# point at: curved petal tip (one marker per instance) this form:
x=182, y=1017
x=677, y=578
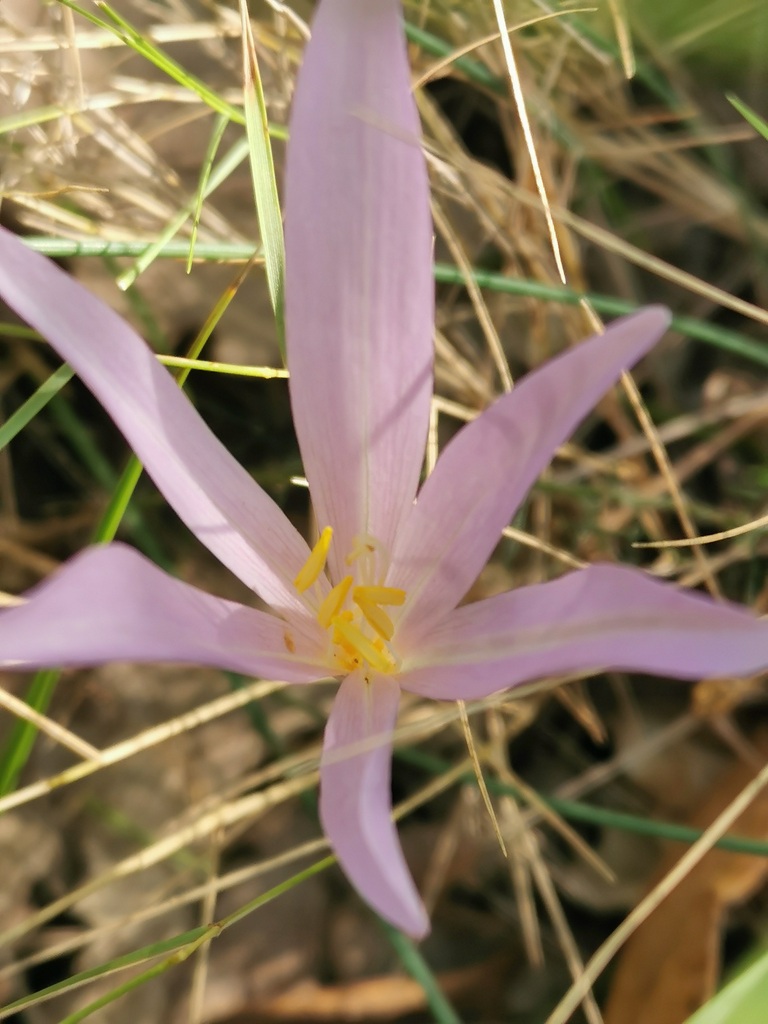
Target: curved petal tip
x=355, y=801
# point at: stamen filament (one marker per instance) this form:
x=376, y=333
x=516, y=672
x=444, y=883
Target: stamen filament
x=315, y=564
x=362, y=547
x=333, y=603
x=362, y=645
x=359, y=629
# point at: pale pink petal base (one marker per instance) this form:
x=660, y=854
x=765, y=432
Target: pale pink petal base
x=486, y=471
x=111, y=604
x=604, y=616
x=355, y=800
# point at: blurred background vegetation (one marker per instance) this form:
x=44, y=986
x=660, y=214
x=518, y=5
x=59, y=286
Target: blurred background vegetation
x=122, y=151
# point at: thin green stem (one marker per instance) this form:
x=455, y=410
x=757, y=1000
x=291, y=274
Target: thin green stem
x=418, y=968
x=574, y=810
x=19, y=745
x=29, y=409
x=699, y=330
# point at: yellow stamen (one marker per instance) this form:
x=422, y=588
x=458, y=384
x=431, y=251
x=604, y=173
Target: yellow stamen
x=346, y=654
x=379, y=595
x=369, y=598
x=337, y=637
x=394, y=663
x=346, y=662
x=375, y=616
x=332, y=604
x=315, y=564
x=359, y=631
x=361, y=645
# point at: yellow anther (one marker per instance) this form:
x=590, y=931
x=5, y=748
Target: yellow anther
x=333, y=603
x=358, y=627
x=315, y=564
x=379, y=595
x=361, y=645
x=375, y=616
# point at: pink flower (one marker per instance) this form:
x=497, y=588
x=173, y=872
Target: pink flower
x=375, y=603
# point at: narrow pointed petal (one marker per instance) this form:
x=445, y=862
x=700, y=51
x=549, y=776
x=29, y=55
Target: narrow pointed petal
x=206, y=486
x=112, y=604
x=359, y=287
x=485, y=472
x=356, y=804
x=604, y=616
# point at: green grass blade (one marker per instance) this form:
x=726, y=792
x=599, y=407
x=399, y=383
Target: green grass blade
x=749, y=114
x=274, y=892
x=138, y=956
x=479, y=74
x=42, y=396
x=19, y=744
x=124, y=31
x=19, y=331
x=699, y=330
x=64, y=248
x=219, y=127
x=128, y=986
x=574, y=810
x=27, y=118
x=118, y=503
x=474, y=70
x=233, y=369
x=179, y=946
x=150, y=251
x=744, y=1000
x=84, y=444
x=418, y=968
x=263, y=174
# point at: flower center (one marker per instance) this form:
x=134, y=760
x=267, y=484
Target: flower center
x=354, y=612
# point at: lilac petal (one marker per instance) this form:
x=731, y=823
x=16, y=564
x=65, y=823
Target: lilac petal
x=355, y=800
x=359, y=288
x=207, y=487
x=111, y=604
x=485, y=472
x=604, y=616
